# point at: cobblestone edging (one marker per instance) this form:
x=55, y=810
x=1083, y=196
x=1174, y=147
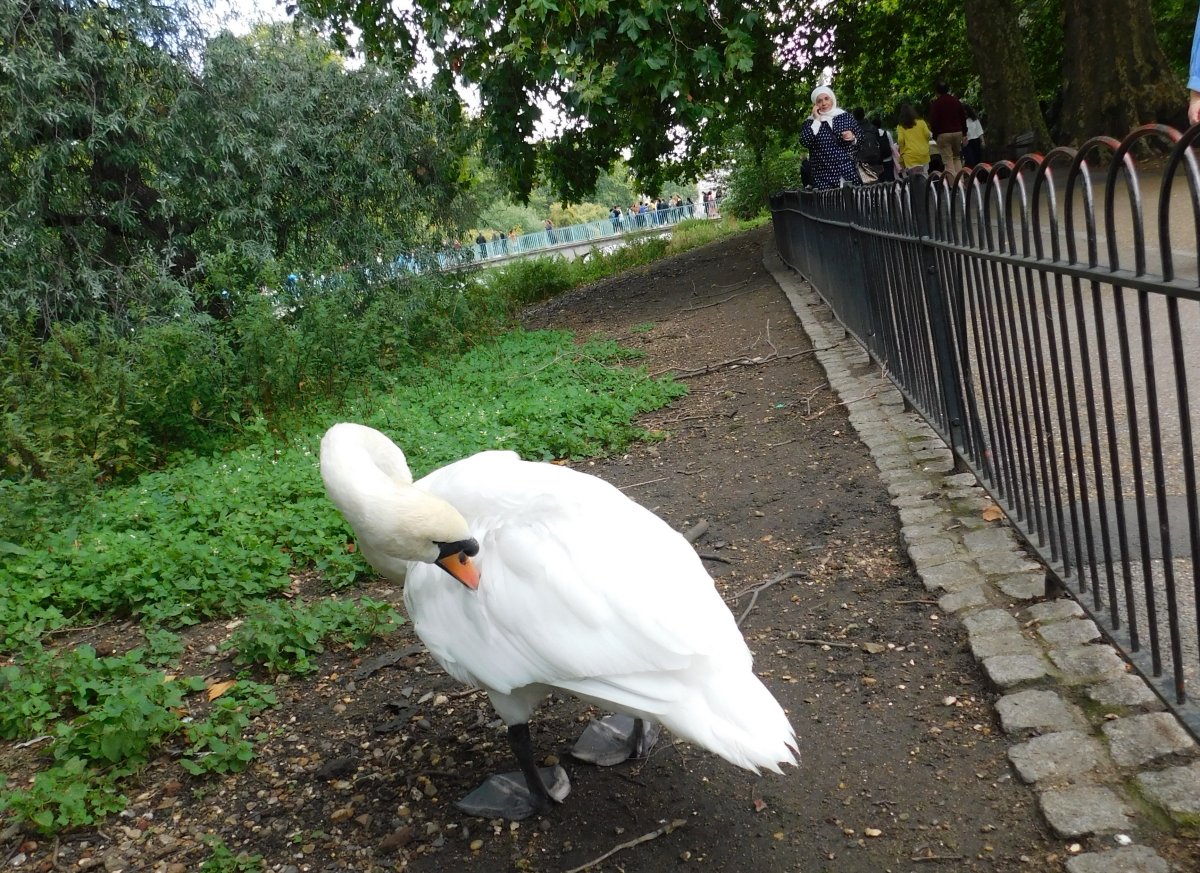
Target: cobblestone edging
x=1086, y=733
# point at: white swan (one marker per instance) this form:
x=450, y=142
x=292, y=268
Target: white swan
x=563, y=583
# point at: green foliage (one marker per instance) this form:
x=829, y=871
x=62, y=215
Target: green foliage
x=87, y=403
x=534, y=279
x=135, y=154
x=218, y=744
x=222, y=860
x=755, y=177
x=284, y=637
x=82, y=127
x=66, y=794
x=92, y=694
x=107, y=716
x=888, y=53
x=659, y=79
x=315, y=186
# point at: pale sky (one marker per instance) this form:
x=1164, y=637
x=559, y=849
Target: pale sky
x=239, y=16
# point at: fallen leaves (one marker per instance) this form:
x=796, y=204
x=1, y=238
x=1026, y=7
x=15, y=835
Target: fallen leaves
x=218, y=688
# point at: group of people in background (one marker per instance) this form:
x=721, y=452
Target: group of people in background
x=646, y=212
x=848, y=148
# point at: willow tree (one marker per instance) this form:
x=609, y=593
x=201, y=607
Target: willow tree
x=135, y=154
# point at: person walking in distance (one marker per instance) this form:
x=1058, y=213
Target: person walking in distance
x=972, y=152
x=912, y=137
x=948, y=121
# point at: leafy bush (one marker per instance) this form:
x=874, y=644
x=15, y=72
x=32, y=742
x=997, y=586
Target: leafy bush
x=218, y=744
x=535, y=279
x=222, y=860
x=283, y=637
x=755, y=178
x=66, y=402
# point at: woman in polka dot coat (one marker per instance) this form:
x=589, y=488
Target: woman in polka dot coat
x=831, y=137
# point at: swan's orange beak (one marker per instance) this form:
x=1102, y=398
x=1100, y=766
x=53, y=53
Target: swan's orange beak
x=460, y=566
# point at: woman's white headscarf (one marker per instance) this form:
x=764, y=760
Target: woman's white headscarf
x=829, y=116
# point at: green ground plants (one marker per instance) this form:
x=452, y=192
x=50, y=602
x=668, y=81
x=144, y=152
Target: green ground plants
x=223, y=534
x=210, y=512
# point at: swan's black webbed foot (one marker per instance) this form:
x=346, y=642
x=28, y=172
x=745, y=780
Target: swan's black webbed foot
x=615, y=738
x=515, y=796
x=507, y=796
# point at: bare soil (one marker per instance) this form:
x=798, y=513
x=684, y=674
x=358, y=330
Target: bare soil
x=359, y=765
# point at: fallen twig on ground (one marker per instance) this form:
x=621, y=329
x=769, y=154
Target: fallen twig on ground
x=936, y=858
x=716, y=302
x=699, y=530
x=647, y=482
x=836, y=644
x=672, y=825
x=812, y=416
x=754, y=592
x=742, y=361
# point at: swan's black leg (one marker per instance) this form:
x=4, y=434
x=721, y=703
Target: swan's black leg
x=515, y=796
x=639, y=747
x=521, y=742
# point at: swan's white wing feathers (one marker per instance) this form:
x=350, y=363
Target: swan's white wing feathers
x=580, y=589
x=576, y=581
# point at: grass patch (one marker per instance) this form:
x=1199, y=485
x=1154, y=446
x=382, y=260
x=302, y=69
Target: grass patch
x=168, y=477
x=222, y=535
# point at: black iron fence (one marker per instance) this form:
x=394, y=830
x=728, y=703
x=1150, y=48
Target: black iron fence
x=1044, y=317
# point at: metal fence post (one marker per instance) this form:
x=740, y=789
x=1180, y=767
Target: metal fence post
x=939, y=321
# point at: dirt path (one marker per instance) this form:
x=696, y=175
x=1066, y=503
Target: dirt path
x=358, y=771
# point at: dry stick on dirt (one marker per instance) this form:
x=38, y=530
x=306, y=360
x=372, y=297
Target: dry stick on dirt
x=698, y=531
x=715, y=303
x=87, y=627
x=644, y=838
x=640, y=484
x=774, y=351
x=837, y=644
x=754, y=592
x=742, y=361
x=820, y=412
x=936, y=858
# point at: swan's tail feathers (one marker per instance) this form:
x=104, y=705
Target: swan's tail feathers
x=721, y=707
x=740, y=720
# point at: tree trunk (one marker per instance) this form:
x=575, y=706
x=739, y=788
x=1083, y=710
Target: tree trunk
x=1005, y=83
x=1115, y=73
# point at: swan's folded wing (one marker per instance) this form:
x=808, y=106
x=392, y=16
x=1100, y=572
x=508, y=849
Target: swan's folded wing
x=578, y=588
